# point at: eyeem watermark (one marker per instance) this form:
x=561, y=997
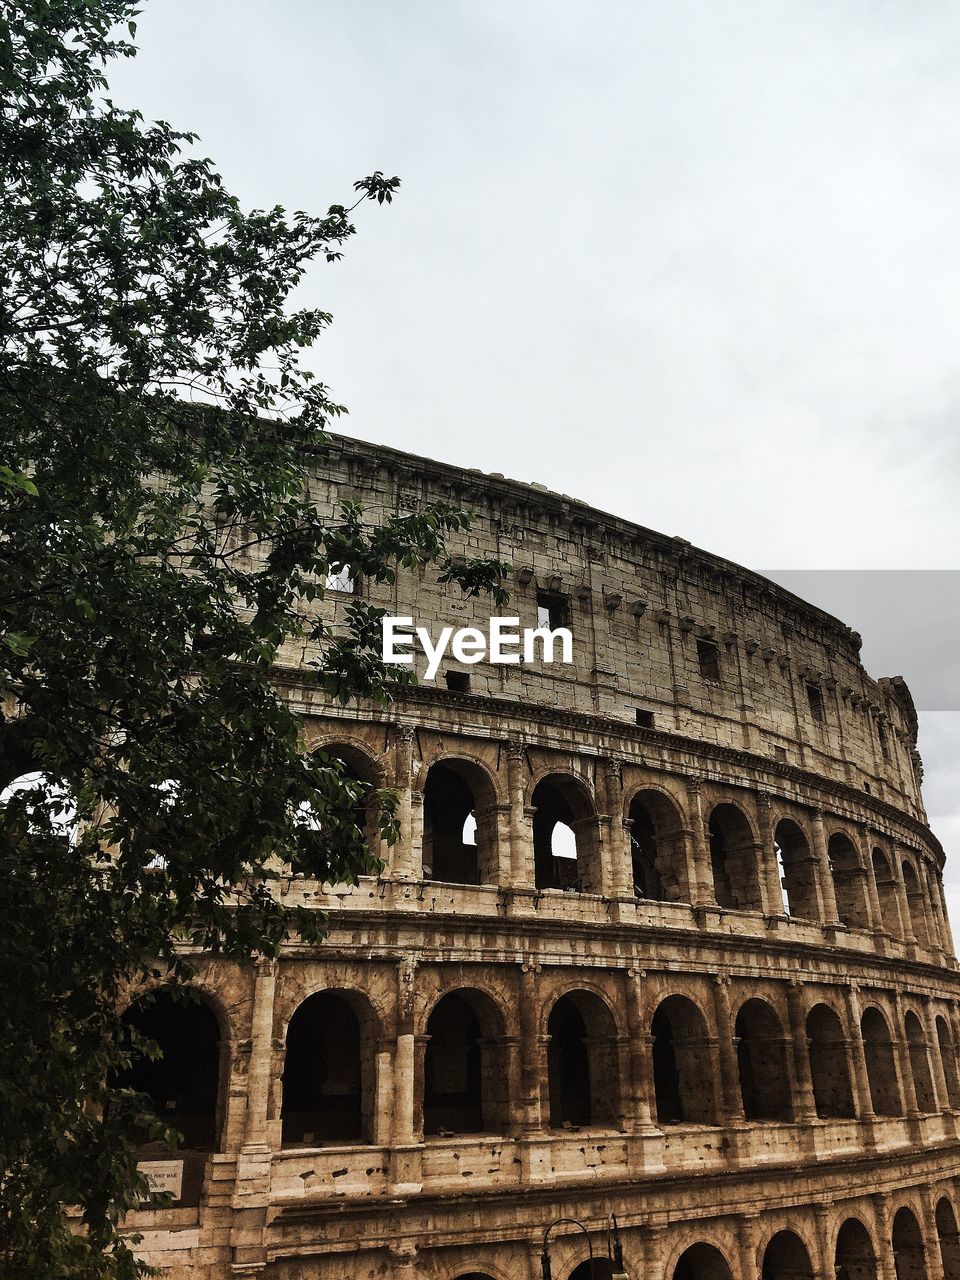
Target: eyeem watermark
x=503, y=642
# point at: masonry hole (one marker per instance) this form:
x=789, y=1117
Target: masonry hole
x=582, y=1063
x=565, y=848
x=854, y=1258
x=849, y=882
x=328, y=1073
x=881, y=1069
x=733, y=859
x=799, y=874
x=919, y=1063
x=786, y=1258
x=682, y=1067
x=909, y=1257
x=465, y=1084
x=829, y=1067
x=183, y=1084
x=762, y=1063
x=948, y=1239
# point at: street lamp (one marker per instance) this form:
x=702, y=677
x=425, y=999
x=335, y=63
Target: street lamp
x=614, y=1246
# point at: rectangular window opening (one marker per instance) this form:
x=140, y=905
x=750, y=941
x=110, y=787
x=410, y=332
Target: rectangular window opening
x=708, y=656
x=815, y=699
x=342, y=580
x=458, y=681
x=553, y=610
x=644, y=718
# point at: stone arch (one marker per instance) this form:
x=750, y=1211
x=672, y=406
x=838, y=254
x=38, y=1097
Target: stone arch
x=849, y=881
x=562, y=804
x=762, y=1063
x=948, y=1239
x=185, y=1085
x=854, y=1257
x=465, y=1077
x=829, y=1064
x=887, y=893
x=948, y=1056
x=328, y=1083
x=733, y=858
x=359, y=766
x=919, y=1063
x=881, y=1067
x=799, y=876
x=455, y=849
x=583, y=1070
x=702, y=1261
x=682, y=1064
x=915, y=901
x=657, y=846
x=599, y=1269
x=909, y=1255
x=786, y=1258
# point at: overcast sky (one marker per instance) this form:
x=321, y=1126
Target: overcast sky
x=696, y=262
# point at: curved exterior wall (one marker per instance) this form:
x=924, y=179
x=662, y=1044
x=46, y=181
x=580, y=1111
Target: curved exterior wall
x=762, y=1098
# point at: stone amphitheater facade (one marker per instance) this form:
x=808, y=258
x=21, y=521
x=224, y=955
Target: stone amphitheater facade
x=663, y=939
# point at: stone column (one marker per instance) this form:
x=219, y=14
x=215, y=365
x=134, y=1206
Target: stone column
x=404, y=858
x=405, y=1163
x=529, y=1014
x=926, y=901
x=828, y=894
x=929, y=1234
x=883, y=1238
x=873, y=893
x=935, y=918
x=702, y=891
x=771, y=887
x=642, y=1094
x=948, y=942
x=617, y=871
x=259, y=1072
x=805, y=1106
x=860, y=1075
x=521, y=820
x=748, y=1240
x=824, y=1259
x=731, y=1102
x=908, y=1091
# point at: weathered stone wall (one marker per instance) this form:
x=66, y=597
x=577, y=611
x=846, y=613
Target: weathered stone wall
x=761, y=1041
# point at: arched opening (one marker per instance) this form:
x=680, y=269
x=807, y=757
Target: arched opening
x=762, y=1063
x=909, y=1257
x=360, y=769
x=459, y=824
x=829, y=1066
x=881, y=1069
x=948, y=1239
x=854, y=1258
x=328, y=1072
x=919, y=1063
x=565, y=859
x=38, y=804
x=598, y=1269
x=948, y=1056
x=682, y=1068
x=657, y=848
x=582, y=1063
x=887, y=894
x=849, y=882
x=918, y=917
x=701, y=1262
x=799, y=871
x=786, y=1258
x=733, y=859
x=183, y=1083
x=465, y=1079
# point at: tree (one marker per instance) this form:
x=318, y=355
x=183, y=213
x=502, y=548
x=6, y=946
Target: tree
x=157, y=422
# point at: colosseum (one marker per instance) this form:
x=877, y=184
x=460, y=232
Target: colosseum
x=657, y=983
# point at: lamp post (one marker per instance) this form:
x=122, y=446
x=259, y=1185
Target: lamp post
x=614, y=1247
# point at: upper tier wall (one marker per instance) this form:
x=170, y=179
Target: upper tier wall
x=639, y=603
